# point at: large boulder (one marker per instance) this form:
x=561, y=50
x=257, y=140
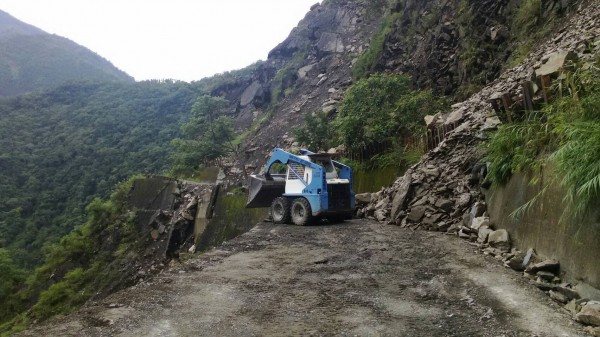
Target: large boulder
x=330, y=43
x=253, y=90
x=402, y=193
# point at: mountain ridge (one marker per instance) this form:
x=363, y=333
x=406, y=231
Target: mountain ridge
x=32, y=60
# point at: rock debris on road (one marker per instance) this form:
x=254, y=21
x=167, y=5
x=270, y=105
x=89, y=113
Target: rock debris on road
x=358, y=278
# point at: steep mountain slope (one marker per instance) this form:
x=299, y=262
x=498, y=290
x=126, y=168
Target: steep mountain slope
x=451, y=47
x=91, y=137
x=31, y=59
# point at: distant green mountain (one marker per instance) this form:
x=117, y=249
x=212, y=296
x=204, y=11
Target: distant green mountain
x=31, y=59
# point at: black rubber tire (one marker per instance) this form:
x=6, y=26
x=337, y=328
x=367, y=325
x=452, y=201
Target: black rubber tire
x=280, y=210
x=301, y=212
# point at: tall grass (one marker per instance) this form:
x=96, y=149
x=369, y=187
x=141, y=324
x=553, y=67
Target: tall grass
x=564, y=134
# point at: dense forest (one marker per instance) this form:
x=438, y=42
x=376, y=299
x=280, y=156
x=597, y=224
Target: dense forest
x=63, y=147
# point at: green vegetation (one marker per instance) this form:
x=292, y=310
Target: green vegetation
x=64, y=147
x=531, y=24
x=381, y=112
x=317, y=132
x=383, y=108
x=208, y=136
x=368, y=61
x=84, y=263
x=564, y=134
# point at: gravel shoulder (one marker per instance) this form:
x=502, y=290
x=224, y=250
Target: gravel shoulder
x=359, y=278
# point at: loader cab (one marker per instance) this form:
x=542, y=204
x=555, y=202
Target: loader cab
x=297, y=172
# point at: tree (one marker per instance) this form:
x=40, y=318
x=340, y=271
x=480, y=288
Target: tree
x=10, y=279
x=316, y=133
x=367, y=112
x=383, y=107
x=208, y=135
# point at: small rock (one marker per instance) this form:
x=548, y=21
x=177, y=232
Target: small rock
x=477, y=210
x=544, y=286
x=568, y=292
x=558, y=297
x=431, y=172
x=383, y=203
x=187, y=216
x=380, y=215
x=416, y=213
x=573, y=307
x=192, y=204
x=442, y=226
x=483, y=234
x=548, y=265
x=590, y=313
x=529, y=256
x=499, y=239
x=463, y=235
x=594, y=331
x=445, y=205
x=516, y=263
x=479, y=222
x=463, y=200
x=545, y=275
x=404, y=189
x=363, y=198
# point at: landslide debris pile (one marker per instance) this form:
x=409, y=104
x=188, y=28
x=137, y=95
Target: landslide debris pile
x=444, y=191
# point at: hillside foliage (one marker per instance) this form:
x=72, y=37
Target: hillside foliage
x=564, y=134
x=81, y=265
x=64, y=147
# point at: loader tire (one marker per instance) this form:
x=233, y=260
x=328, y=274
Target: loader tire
x=301, y=212
x=280, y=210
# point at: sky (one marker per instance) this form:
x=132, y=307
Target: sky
x=168, y=39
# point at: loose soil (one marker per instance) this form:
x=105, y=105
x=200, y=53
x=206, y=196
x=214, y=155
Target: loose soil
x=358, y=278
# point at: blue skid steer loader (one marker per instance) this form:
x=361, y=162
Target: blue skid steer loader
x=314, y=187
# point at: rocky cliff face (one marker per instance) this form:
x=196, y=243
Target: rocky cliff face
x=446, y=44
x=452, y=46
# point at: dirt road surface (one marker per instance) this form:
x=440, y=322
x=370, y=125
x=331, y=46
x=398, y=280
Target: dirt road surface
x=358, y=278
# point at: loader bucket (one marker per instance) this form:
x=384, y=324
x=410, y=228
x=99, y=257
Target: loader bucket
x=262, y=189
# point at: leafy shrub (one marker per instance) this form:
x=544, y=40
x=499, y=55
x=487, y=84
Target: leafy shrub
x=383, y=108
x=316, y=133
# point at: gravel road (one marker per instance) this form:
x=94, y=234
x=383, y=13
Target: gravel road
x=358, y=278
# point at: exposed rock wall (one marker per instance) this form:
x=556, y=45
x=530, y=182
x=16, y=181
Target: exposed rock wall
x=448, y=44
